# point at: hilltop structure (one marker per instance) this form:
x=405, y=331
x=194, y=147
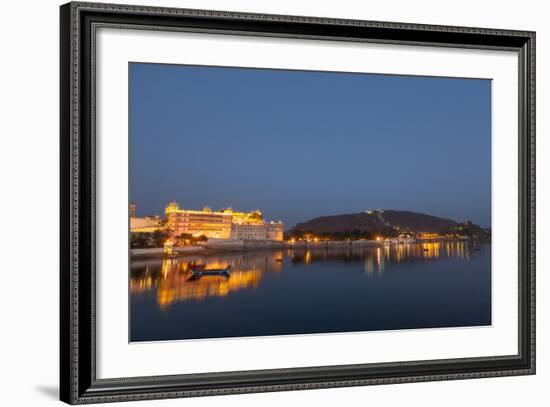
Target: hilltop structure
x=386, y=223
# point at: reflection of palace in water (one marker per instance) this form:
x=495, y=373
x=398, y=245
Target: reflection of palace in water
x=173, y=280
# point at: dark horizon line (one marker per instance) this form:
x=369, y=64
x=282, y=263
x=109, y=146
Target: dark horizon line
x=353, y=213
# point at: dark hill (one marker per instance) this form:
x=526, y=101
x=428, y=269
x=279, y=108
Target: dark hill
x=374, y=221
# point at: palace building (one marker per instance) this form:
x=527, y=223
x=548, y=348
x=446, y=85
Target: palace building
x=222, y=224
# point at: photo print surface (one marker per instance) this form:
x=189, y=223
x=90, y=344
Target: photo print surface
x=279, y=202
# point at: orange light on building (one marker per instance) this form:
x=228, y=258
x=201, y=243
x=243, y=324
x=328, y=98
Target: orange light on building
x=222, y=224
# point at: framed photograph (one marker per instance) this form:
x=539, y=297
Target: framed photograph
x=255, y=203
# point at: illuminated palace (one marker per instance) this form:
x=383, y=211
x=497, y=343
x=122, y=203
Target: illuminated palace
x=222, y=224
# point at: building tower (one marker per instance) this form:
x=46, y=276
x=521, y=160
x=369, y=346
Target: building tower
x=132, y=210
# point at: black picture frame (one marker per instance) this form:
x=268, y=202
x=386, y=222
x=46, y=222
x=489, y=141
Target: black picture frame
x=78, y=382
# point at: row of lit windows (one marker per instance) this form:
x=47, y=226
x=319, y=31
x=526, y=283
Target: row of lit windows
x=199, y=222
x=200, y=225
x=250, y=227
x=199, y=229
x=204, y=221
x=201, y=216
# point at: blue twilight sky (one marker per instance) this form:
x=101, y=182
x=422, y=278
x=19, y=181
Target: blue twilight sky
x=303, y=144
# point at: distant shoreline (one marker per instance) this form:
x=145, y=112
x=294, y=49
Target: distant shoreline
x=253, y=245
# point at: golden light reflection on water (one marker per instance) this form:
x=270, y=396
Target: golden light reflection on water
x=172, y=281
x=175, y=282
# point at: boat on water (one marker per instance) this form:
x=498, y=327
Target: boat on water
x=203, y=271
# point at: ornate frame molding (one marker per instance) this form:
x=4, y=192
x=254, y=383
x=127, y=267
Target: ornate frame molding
x=79, y=384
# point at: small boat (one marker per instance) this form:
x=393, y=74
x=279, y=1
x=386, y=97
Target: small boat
x=202, y=271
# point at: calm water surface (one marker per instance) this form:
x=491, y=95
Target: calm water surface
x=277, y=292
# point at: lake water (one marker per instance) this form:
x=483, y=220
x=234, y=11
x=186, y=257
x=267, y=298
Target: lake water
x=278, y=292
